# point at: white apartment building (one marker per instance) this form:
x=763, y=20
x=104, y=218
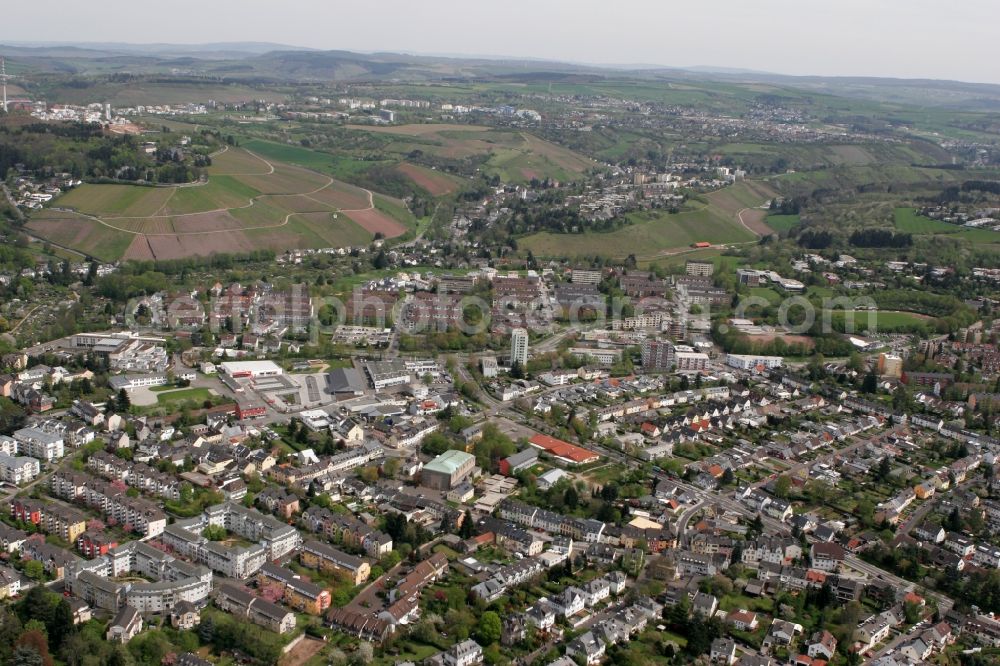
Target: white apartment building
x=751, y=362
x=519, y=346
x=18, y=469
x=602, y=356
x=584, y=276
x=41, y=444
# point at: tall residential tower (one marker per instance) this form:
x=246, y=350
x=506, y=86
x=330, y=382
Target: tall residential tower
x=519, y=347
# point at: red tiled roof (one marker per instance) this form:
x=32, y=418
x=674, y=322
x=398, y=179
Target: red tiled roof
x=562, y=449
x=814, y=576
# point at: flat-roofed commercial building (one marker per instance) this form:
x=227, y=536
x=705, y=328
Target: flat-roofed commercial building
x=251, y=369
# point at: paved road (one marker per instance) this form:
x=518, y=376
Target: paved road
x=683, y=536
x=944, y=603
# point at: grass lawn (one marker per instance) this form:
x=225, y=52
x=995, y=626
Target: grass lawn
x=822, y=292
x=768, y=294
x=731, y=602
x=448, y=552
x=605, y=474
x=408, y=651
x=183, y=395
x=980, y=235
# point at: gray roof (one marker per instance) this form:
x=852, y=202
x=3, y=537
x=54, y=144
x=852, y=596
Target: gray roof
x=346, y=380
x=125, y=617
x=530, y=454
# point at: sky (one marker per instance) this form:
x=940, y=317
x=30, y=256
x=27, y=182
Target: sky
x=898, y=38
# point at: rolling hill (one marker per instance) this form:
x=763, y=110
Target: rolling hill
x=248, y=203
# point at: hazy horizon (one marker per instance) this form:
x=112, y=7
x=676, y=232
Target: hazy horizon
x=912, y=40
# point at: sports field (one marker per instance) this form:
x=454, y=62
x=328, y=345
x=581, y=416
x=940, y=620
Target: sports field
x=248, y=202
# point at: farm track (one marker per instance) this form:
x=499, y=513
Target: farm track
x=24, y=319
x=761, y=226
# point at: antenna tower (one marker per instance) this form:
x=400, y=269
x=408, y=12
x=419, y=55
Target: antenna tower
x=3, y=79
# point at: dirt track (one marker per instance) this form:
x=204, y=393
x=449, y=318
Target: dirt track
x=753, y=220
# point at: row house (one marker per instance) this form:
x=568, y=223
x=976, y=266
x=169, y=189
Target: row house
x=508, y=577
x=876, y=629
x=363, y=625
x=54, y=559
x=299, y=594
x=827, y=556
x=316, y=555
x=11, y=538
x=986, y=556
x=584, y=529
x=775, y=550
x=348, y=530
x=796, y=578
x=241, y=602
x=695, y=564
x=516, y=540
x=423, y=574
x=32, y=398
x=278, y=501
x=93, y=543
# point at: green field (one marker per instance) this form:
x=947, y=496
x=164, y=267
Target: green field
x=652, y=234
x=117, y=200
x=338, y=166
x=782, y=223
x=254, y=203
x=768, y=294
x=199, y=395
x=908, y=220
x=882, y=320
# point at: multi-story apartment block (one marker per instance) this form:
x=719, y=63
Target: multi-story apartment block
x=348, y=530
x=18, y=469
x=39, y=443
x=241, y=602
x=316, y=555
x=296, y=593
x=134, y=513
